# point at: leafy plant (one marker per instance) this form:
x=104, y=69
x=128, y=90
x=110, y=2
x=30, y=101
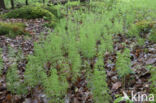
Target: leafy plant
x=123, y=63
x=84, y=35
x=14, y=84
x=48, y=56
x=55, y=88
x=98, y=83
x=74, y=59
x=106, y=44
x=87, y=42
x=33, y=72
x=121, y=99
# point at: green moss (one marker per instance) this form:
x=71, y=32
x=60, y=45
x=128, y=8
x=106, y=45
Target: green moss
x=31, y=12
x=12, y=29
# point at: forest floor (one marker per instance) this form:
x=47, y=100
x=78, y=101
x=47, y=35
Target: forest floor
x=137, y=81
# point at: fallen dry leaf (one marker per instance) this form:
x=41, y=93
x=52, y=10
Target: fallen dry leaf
x=116, y=85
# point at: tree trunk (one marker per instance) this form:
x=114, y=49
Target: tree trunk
x=26, y=2
x=2, y=4
x=12, y=4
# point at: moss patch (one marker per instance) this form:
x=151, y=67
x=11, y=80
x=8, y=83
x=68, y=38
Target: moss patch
x=12, y=29
x=33, y=12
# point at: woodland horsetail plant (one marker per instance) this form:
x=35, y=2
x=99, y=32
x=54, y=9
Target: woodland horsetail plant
x=64, y=50
x=13, y=81
x=98, y=82
x=153, y=78
x=123, y=63
x=79, y=43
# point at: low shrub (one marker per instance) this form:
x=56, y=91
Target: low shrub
x=12, y=29
x=31, y=12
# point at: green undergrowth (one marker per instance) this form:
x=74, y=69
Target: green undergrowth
x=54, y=10
x=152, y=36
x=98, y=83
x=123, y=63
x=66, y=49
x=152, y=70
x=73, y=4
x=78, y=45
x=144, y=30
x=12, y=29
x=134, y=18
x=54, y=88
x=49, y=13
x=14, y=83
x=153, y=78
